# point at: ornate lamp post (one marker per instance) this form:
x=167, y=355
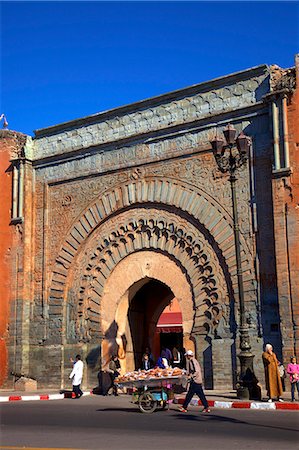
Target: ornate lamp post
x=230, y=156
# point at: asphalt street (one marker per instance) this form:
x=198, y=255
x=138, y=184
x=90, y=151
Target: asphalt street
x=114, y=423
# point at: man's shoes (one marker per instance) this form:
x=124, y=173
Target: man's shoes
x=206, y=410
x=280, y=400
x=270, y=400
x=181, y=409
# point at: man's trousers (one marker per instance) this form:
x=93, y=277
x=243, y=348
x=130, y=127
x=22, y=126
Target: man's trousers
x=77, y=390
x=195, y=388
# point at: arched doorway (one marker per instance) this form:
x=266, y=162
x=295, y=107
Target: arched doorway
x=144, y=290
x=144, y=311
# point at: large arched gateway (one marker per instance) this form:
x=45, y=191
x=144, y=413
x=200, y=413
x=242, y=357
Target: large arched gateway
x=118, y=215
x=156, y=229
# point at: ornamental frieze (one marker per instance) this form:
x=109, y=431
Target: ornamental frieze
x=183, y=110
x=155, y=150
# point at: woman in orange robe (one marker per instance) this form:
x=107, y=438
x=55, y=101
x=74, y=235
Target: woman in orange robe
x=272, y=377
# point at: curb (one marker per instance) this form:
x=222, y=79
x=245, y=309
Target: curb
x=248, y=405
x=17, y=398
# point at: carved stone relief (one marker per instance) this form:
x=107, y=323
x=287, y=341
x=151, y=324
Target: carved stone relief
x=180, y=197
x=123, y=157
x=182, y=110
x=66, y=201
x=149, y=229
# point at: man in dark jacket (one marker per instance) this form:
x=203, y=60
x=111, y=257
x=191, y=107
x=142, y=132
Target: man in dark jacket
x=113, y=370
x=195, y=387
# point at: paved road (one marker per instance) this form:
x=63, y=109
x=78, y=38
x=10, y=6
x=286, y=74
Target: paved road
x=113, y=423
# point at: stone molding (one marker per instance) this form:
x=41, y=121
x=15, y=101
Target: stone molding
x=184, y=110
x=132, y=157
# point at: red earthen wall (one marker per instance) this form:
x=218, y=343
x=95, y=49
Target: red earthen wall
x=5, y=249
x=11, y=144
x=293, y=204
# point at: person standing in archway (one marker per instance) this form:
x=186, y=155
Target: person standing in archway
x=176, y=357
x=195, y=387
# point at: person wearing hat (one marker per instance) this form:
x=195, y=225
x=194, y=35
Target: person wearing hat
x=195, y=387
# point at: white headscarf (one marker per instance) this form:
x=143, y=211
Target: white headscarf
x=268, y=347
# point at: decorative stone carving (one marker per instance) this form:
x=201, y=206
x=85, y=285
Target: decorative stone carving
x=201, y=207
x=194, y=172
x=283, y=79
x=159, y=231
x=181, y=111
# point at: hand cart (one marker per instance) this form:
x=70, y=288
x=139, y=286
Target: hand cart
x=152, y=393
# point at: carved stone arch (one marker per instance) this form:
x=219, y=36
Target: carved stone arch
x=147, y=267
x=169, y=192
x=141, y=230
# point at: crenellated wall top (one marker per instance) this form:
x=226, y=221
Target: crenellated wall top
x=175, y=109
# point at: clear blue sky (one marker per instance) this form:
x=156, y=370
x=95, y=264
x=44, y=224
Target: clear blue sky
x=64, y=60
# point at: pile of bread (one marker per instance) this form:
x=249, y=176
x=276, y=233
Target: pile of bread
x=150, y=374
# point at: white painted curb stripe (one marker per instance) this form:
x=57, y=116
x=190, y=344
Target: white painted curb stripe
x=30, y=397
x=224, y=405
x=255, y=405
x=56, y=396
x=37, y=397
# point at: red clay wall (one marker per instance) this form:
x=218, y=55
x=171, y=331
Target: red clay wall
x=286, y=219
x=10, y=144
x=293, y=204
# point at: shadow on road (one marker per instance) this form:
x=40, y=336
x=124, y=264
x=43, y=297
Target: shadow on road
x=130, y=410
x=216, y=418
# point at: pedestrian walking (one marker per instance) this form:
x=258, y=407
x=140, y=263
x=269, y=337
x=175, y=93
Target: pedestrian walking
x=195, y=387
x=293, y=371
x=272, y=376
x=76, y=376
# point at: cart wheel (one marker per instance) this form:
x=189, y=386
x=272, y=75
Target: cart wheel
x=147, y=404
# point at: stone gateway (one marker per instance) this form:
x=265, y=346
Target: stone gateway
x=112, y=218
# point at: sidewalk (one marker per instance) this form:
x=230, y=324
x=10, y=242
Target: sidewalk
x=228, y=399
x=221, y=399
x=45, y=394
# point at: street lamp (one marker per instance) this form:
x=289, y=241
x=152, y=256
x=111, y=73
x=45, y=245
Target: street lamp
x=230, y=156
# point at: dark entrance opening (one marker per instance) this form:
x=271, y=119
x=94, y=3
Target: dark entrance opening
x=144, y=311
x=170, y=340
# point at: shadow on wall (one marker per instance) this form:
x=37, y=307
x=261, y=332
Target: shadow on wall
x=93, y=359
x=208, y=365
x=113, y=345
